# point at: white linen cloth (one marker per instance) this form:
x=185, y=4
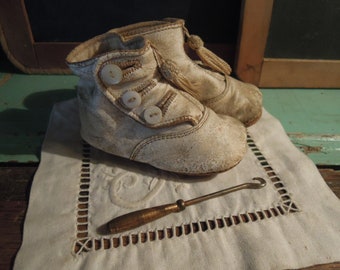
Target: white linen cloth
x=293, y=222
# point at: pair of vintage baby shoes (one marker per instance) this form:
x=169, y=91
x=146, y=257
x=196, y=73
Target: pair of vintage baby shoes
x=141, y=97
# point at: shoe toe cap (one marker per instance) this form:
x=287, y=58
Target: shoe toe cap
x=216, y=145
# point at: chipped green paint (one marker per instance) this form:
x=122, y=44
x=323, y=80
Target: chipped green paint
x=324, y=148
x=4, y=77
x=311, y=118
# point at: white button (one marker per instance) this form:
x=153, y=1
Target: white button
x=111, y=74
x=153, y=115
x=131, y=99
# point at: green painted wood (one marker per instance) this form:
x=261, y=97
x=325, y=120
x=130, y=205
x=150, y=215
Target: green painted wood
x=25, y=105
x=322, y=149
x=310, y=117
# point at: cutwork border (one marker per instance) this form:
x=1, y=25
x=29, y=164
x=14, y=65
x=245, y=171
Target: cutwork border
x=85, y=243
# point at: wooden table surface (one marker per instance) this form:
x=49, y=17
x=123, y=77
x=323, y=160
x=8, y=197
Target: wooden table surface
x=15, y=183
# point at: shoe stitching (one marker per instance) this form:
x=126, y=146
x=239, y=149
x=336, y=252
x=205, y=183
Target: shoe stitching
x=125, y=64
x=127, y=67
x=192, y=100
x=174, y=121
x=218, y=97
x=144, y=87
x=158, y=28
x=166, y=101
x=176, y=135
x=161, y=28
x=117, y=102
x=168, y=123
x=116, y=54
x=108, y=56
x=100, y=38
x=199, y=68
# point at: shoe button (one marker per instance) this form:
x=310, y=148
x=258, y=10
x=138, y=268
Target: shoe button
x=111, y=74
x=153, y=115
x=131, y=99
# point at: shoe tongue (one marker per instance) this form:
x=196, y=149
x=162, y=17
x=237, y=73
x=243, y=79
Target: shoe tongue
x=83, y=58
x=115, y=42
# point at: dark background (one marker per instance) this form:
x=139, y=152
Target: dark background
x=78, y=20
x=304, y=29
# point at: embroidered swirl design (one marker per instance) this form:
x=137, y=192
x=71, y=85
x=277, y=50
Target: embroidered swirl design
x=132, y=190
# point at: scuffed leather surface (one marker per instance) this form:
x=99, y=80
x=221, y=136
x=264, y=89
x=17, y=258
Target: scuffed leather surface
x=190, y=139
x=231, y=97
x=247, y=109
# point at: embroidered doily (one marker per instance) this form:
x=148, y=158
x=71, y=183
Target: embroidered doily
x=293, y=222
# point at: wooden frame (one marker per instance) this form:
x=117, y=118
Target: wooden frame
x=18, y=42
x=252, y=66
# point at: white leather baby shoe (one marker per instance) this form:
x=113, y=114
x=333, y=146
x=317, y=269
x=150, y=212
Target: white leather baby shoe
x=208, y=82
x=128, y=109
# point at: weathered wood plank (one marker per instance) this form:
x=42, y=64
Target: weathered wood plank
x=12, y=215
x=311, y=119
x=322, y=147
x=332, y=178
